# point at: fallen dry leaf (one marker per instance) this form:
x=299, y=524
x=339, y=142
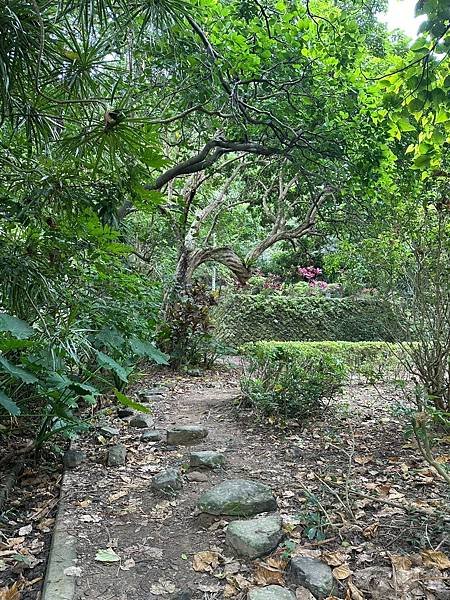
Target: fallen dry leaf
x=229, y=591
x=239, y=582
x=401, y=562
x=371, y=530
x=342, y=572
x=11, y=593
x=270, y=572
x=334, y=559
x=435, y=558
x=162, y=587
x=353, y=593
x=205, y=561
x=117, y=495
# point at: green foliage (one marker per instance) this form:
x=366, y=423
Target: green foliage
x=187, y=333
x=291, y=384
x=47, y=379
x=372, y=360
x=243, y=318
x=299, y=379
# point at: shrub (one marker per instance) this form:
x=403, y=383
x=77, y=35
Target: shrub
x=298, y=379
x=46, y=379
x=187, y=334
x=292, y=388
x=245, y=318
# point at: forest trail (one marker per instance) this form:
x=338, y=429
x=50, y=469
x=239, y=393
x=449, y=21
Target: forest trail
x=158, y=540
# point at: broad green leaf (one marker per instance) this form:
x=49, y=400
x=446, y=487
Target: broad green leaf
x=416, y=105
x=9, y=405
x=149, y=350
x=14, y=344
x=109, y=363
x=110, y=337
x=107, y=555
x=15, y=326
x=442, y=117
x=422, y=161
x=16, y=372
x=405, y=125
x=126, y=401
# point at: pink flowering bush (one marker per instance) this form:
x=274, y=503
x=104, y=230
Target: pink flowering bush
x=310, y=274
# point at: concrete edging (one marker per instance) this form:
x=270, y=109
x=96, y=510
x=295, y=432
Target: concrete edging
x=62, y=555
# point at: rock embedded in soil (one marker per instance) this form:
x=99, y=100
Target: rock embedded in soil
x=197, y=476
x=153, y=435
x=73, y=458
x=124, y=412
x=313, y=574
x=117, y=456
x=207, y=459
x=302, y=593
x=108, y=431
x=167, y=482
x=141, y=421
x=155, y=391
x=152, y=394
x=186, y=434
x=255, y=537
x=238, y=497
x=270, y=592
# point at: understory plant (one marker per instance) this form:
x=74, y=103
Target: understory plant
x=423, y=308
x=68, y=335
x=292, y=389
x=187, y=334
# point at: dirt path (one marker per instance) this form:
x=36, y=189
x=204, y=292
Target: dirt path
x=157, y=538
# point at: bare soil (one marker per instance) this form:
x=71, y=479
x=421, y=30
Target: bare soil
x=315, y=472
x=351, y=488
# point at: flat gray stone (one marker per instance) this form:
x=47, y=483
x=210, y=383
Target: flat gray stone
x=141, y=421
x=109, y=431
x=271, y=592
x=313, y=574
x=116, y=456
x=73, y=458
x=155, y=391
x=255, y=537
x=148, y=398
x=186, y=434
x=207, y=459
x=152, y=435
x=197, y=476
x=152, y=394
x=238, y=497
x=124, y=412
x=168, y=482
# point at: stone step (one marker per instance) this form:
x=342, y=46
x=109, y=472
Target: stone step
x=314, y=575
x=255, y=537
x=271, y=592
x=186, y=435
x=207, y=459
x=238, y=497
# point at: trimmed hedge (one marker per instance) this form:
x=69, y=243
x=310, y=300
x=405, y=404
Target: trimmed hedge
x=370, y=359
x=245, y=318
x=299, y=379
